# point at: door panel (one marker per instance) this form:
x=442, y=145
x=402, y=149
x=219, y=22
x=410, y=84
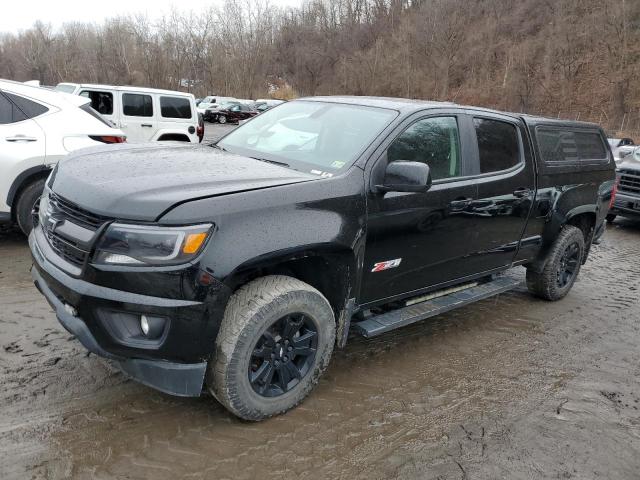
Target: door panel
x=505, y=192
x=138, y=116
x=430, y=234
x=424, y=238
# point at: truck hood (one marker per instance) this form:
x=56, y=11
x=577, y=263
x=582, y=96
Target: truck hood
x=140, y=182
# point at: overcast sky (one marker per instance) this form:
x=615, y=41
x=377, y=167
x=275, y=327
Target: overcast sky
x=20, y=15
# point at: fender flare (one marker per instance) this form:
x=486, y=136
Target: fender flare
x=552, y=229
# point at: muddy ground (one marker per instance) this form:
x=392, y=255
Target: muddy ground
x=511, y=387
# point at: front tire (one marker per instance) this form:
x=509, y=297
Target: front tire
x=222, y=119
x=274, y=342
x=27, y=205
x=561, y=267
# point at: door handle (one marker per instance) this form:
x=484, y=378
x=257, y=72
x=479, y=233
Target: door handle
x=21, y=138
x=146, y=125
x=460, y=204
x=522, y=192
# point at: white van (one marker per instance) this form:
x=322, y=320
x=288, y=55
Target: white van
x=144, y=114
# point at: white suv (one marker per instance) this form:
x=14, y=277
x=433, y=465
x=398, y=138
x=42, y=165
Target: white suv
x=143, y=114
x=37, y=128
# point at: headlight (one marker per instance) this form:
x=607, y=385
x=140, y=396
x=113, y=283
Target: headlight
x=145, y=245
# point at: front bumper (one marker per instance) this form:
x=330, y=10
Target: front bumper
x=78, y=304
x=624, y=205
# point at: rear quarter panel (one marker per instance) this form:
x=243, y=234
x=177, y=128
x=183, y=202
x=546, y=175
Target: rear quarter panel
x=565, y=191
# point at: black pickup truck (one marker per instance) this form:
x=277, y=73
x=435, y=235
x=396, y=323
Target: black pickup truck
x=237, y=267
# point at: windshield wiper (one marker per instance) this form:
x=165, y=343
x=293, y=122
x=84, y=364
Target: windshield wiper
x=274, y=162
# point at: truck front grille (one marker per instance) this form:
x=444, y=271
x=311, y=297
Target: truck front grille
x=61, y=210
x=629, y=182
x=69, y=211
x=71, y=253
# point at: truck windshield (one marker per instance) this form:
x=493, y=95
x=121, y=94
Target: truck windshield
x=316, y=137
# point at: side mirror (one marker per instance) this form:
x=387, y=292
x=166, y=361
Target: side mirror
x=405, y=176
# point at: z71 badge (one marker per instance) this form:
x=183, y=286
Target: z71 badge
x=380, y=266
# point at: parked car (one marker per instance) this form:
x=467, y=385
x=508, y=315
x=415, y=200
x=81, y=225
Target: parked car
x=620, y=142
x=627, y=201
x=247, y=261
x=213, y=101
x=210, y=114
x=37, y=128
x=205, y=102
x=144, y=114
x=621, y=147
x=231, y=112
x=264, y=105
x=260, y=107
x=271, y=102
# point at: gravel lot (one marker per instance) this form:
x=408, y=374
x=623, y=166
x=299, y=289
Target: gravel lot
x=512, y=387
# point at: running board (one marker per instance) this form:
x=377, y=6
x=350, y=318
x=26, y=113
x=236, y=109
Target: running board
x=385, y=322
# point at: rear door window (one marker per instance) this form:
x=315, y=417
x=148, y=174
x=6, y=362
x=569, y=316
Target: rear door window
x=560, y=144
x=175, y=107
x=101, y=102
x=498, y=144
x=9, y=113
x=28, y=107
x=137, y=105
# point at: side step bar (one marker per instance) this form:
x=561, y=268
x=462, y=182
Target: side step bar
x=385, y=322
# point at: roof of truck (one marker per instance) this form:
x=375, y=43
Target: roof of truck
x=407, y=105
x=401, y=104
x=128, y=88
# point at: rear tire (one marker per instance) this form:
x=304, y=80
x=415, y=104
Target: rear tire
x=561, y=267
x=27, y=204
x=250, y=372
x=611, y=217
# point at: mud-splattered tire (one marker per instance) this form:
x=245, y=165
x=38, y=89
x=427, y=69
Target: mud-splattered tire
x=553, y=283
x=249, y=318
x=611, y=217
x=27, y=202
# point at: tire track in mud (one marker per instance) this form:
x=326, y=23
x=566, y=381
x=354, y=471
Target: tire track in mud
x=510, y=387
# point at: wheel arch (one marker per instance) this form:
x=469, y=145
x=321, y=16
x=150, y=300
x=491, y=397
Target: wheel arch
x=176, y=137
x=27, y=177
x=332, y=271
x=583, y=217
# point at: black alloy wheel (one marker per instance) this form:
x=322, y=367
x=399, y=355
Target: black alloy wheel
x=283, y=355
x=568, y=265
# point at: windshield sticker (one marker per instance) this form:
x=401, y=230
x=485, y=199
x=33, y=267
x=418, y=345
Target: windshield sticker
x=322, y=174
x=338, y=164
